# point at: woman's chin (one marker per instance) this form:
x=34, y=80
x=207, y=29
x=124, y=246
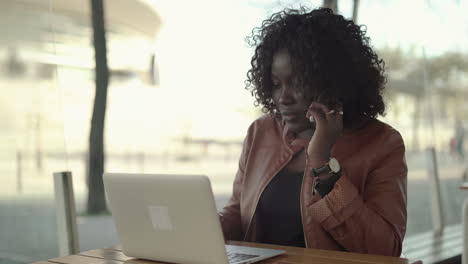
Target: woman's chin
x=300, y=127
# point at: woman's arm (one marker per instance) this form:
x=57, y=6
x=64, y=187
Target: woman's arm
x=230, y=216
x=370, y=222
x=375, y=221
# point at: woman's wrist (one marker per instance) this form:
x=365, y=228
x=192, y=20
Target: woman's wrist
x=319, y=154
x=317, y=160
x=326, y=185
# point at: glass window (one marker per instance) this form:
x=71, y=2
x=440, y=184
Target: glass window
x=427, y=85
x=32, y=132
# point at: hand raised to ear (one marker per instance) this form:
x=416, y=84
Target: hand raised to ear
x=328, y=127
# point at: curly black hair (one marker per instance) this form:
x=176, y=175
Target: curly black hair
x=331, y=57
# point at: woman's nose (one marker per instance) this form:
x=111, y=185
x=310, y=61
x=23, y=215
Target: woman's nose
x=286, y=96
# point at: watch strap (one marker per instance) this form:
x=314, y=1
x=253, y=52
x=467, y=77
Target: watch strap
x=321, y=170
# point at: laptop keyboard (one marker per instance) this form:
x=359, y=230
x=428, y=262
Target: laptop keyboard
x=236, y=257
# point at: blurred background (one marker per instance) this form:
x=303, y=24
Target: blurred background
x=176, y=103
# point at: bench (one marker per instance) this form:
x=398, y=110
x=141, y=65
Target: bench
x=431, y=248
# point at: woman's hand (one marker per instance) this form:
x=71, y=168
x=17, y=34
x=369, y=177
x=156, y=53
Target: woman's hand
x=328, y=126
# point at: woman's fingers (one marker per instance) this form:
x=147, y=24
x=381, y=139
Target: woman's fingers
x=323, y=116
x=318, y=112
x=315, y=115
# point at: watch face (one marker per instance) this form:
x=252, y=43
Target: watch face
x=334, y=165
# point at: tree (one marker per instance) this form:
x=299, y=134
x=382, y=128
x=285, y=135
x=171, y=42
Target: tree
x=332, y=4
x=96, y=197
x=419, y=77
x=355, y=10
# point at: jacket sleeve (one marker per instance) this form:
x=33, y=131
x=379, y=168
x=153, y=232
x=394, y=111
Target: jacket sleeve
x=373, y=222
x=230, y=216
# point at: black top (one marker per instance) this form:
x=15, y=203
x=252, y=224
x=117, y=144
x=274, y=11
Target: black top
x=279, y=211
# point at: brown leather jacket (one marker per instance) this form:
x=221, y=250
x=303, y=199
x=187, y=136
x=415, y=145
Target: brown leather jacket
x=366, y=210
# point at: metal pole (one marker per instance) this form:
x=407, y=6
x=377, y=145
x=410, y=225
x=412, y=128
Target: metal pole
x=66, y=214
x=19, y=172
x=465, y=232
x=436, y=200
x=141, y=161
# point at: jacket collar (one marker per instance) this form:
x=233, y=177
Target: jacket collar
x=291, y=140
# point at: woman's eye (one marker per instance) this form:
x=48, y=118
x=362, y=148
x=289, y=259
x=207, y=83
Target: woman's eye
x=275, y=85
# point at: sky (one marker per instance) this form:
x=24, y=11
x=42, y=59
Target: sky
x=203, y=56
x=438, y=25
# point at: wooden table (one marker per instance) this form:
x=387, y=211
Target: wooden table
x=293, y=256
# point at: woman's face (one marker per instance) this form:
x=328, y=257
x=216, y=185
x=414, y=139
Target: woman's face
x=291, y=103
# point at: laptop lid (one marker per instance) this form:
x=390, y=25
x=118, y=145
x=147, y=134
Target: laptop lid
x=163, y=217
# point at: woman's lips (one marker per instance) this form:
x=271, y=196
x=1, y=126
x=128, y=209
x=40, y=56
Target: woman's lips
x=290, y=115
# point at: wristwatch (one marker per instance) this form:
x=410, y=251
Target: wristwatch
x=333, y=166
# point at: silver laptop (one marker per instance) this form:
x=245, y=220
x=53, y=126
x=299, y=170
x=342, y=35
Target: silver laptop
x=172, y=218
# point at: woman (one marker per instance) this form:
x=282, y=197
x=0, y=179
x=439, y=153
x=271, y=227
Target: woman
x=318, y=170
